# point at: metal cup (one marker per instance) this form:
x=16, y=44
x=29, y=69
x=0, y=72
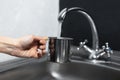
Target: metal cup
x=59, y=49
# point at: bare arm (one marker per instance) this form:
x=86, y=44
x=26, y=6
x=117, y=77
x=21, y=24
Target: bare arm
x=23, y=47
x=7, y=45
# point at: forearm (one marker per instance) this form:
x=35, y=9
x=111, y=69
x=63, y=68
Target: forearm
x=23, y=47
x=7, y=45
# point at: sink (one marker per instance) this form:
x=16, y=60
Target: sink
x=61, y=71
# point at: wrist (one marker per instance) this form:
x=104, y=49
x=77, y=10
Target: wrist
x=16, y=43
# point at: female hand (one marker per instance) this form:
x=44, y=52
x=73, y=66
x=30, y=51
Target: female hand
x=30, y=46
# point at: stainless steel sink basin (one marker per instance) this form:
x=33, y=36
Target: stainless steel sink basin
x=64, y=71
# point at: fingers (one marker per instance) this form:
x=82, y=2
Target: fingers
x=36, y=53
x=42, y=47
x=40, y=38
x=43, y=42
x=33, y=52
x=40, y=53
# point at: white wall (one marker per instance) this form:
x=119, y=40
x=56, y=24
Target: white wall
x=23, y=17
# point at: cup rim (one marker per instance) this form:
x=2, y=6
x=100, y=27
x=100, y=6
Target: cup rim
x=62, y=38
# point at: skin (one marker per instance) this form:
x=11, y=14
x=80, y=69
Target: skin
x=30, y=46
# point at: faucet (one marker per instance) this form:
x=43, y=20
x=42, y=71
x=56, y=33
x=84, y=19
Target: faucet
x=94, y=52
x=64, y=12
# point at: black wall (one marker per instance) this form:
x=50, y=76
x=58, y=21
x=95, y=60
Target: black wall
x=106, y=15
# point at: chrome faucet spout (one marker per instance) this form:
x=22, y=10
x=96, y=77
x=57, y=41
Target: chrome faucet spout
x=65, y=11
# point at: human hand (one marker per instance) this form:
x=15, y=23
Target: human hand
x=30, y=46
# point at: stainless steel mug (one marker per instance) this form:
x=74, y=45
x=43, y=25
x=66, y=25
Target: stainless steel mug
x=59, y=49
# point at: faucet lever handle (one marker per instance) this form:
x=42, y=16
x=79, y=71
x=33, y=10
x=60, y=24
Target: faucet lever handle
x=108, y=50
x=83, y=43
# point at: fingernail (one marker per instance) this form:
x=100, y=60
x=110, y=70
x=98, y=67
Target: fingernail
x=39, y=53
